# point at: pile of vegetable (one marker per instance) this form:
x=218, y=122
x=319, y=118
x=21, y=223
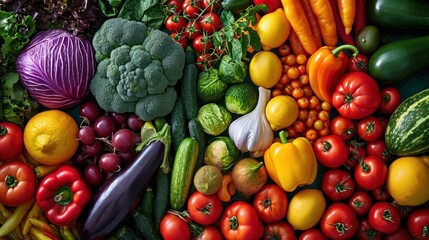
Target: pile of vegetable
x=214, y=119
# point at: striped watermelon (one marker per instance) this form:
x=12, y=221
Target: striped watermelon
x=407, y=131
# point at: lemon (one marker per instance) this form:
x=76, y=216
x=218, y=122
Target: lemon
x=281, y=111
x=265, y=69
x=305, y=209
x=51, y=137
x=408, y=180
x=273, y=29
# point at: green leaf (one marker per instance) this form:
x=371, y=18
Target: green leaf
x=107, y=9
x=227, y=18
x=229, y=33
x=217, y=39
x=255, y=41
x=236, y=51
x=135, y=9
x=154, y=17
x=245, y=41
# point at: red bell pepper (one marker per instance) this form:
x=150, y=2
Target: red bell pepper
x=62, y=195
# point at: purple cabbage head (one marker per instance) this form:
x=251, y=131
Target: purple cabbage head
x=56, y=68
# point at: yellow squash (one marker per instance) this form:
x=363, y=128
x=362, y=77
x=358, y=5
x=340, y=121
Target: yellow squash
x=291, y=164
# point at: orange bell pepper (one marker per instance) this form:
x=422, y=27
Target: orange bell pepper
x=291, y=164
x=325, y=68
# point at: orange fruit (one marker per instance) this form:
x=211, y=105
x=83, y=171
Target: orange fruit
x=51, y=137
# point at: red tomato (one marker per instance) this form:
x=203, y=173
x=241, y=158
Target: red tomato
x=400, y=234
x=172, y=227
x=211, y=5
x=361, y=202
x=312, y=234
x=366, y=232
x=356, y=95
x=17, y=183
x=331, y=150
x=191, y=8
x=384, y=122
x=279, y=230
x=391, y=98
x=175, y=23
x=339, y=221
x=371, y=173
x=381, y=193
x=356, y=153
x=180, y=38
x=204, y=209
x=284, y=50
x=193, y=30
x=338, y=184
x=343, y=127
x=271, y=4
x=370, y=128
x=209, y=232
x=202, y=44
x=240, y=221
x=205, y=60
x=418, y=223
x=210, y=22
x=358, y=63
x=174, y=6
x=11, y=140
x=271, y=203
x=378, y=148
x=384, y=217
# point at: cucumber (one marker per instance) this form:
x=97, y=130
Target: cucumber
x=190, y=56
x=124, y=232
x=196, y=131
x=236, y=6
x=183, y=172
x=146, y=203
x=189, y=91
x=396, y=61
x=145, y=226
x=178, y=124
x=162, y=196
x=407, y=131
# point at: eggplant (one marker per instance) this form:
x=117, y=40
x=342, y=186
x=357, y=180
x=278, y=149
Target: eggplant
x=115, y=198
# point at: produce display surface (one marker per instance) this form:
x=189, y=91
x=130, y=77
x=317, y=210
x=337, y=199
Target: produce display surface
x=214, y=119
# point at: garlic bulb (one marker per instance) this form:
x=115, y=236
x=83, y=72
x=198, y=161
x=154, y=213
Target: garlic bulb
x=252, y=132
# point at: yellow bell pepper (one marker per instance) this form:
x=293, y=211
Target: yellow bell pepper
x=291, y=164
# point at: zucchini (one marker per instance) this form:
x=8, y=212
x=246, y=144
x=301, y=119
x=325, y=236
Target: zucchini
x=236, y=6
x=162, y=196
x=145, y=226
x=399, y=14
x=190, y=56
x=396, y=61
x=124, y=232
x=178, y=124
x=189, y=91
x=196, y=131
x=183, y=172
x=407, y=131
x=146, y=203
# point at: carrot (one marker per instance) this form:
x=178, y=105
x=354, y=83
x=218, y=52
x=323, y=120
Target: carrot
x=299, y=22
x=360, y=17
x=345, y=38
x=323, y=11
x=295, y=44
x=347, y=10
x=314, y=23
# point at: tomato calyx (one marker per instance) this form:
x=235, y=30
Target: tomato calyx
x=348, y=98
x=326, y=146
x=370, y=127
x=387, y=215
x=182, y=215
x=425, y=231
x=371, y=233
x=365, y=167
x=342, y=187
x=205, y=210
x=233, y=223
x=267, y=202
x=3, y=131
x=357, y=203
x=341, y=228
x=11, y=181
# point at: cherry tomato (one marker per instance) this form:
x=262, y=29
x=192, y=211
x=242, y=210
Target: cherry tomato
x=204, y=209
x=174, y=6
x=241, y=221
x=172, y=227
x=384, y=217
x=284, y=50
x=175, y=23
x=381, y=193
x=210, y=22
x=191, y=8
x=11, y=140
x=371, y=172
x=279, y=230
x=331, y=150
x=370, y=128
x=202, y=44
x=193, y=30
x=360, y=202
x=400, y=234
x=211, y=5
x=271, y=203
x=338, y=184
x=343, y=127
x=356, y=153
x=205, y=61
x=418, y=223
x=358, y=63
x=312, y=234
x=391, y=98
x=378, y=148
x=339, y=221
x=17, y=183
x=366, y=232
x=209, y=232
x=180, y=38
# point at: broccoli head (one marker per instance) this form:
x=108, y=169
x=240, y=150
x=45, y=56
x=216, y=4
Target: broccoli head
x=137, y=69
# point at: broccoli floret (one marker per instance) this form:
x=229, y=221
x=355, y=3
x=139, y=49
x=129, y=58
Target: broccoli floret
x=137, y=69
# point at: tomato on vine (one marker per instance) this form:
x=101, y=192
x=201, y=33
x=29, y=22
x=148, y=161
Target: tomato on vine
x=210, y=22
x=175, y=23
